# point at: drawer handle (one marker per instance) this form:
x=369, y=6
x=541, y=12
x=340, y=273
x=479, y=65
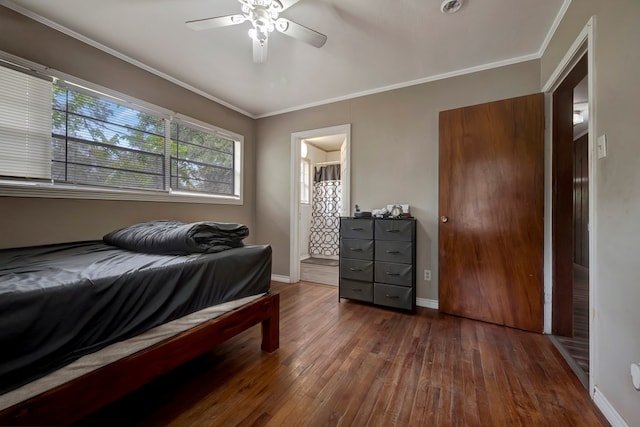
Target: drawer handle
x=392, y=296
x=355, y=269
x=393, y=252
x=356, y=249
x=392, y=231
x=357, y=290
x=356, y=228
x=392, y=274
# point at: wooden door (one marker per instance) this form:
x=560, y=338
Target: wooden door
x=491, y=201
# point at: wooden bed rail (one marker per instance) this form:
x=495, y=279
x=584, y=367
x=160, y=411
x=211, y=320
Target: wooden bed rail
x=78, y=398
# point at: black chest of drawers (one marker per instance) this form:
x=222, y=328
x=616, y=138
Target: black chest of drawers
x=378, y=261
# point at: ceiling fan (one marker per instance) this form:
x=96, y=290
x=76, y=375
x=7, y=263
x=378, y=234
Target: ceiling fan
x=264, y=16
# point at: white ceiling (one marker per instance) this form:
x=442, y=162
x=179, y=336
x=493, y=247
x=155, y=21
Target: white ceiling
x=372, y=45
x=328, y=142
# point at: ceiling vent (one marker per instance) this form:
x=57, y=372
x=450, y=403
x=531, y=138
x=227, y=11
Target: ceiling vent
x=450, y=6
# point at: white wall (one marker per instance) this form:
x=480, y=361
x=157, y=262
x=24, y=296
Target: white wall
x=617, y=185
x=333, y=156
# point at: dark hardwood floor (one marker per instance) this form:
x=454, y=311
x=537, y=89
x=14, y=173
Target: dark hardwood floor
x=576, y=347
x=353, y=364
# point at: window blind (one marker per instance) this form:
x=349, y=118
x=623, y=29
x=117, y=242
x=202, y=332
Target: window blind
x=25, y=125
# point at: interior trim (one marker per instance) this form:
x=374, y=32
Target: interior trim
x=584, y=42
x=294, y=179
x=608, y=410
x=456, y=73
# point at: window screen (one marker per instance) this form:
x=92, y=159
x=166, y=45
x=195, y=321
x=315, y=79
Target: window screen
x=101, y=143
x=201, y=160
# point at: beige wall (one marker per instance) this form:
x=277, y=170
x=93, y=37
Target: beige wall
x=617, y=185
x=28, y=221
x=394, y=158
x=394, y=154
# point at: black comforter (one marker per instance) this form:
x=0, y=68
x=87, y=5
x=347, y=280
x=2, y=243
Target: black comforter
x=169, y=237
x=60, y=302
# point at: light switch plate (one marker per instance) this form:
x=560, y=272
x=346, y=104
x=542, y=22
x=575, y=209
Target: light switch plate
x=601, y=145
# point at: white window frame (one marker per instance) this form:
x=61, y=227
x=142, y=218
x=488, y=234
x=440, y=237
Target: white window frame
x=46, y=189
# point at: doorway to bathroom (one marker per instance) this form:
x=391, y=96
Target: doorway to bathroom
x=321, y=182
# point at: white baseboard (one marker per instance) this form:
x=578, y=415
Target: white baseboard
x=420, y=302
x=427, y=303
x=608, y=410
x=279, y=278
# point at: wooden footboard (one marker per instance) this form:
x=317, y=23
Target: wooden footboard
x=78, y=398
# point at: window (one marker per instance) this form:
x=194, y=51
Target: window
x=101, y=143
x=96, y=141
x=201, y=161
x=25, y=125
x=305, y=187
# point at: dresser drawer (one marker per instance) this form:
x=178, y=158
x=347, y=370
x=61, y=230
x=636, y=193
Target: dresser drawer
x=356, y=228
x=354, y=289
x=394, y=251
x=394, y=229
x=393, y=296
x=356, y=248
x=356, y=269
x=394, y=274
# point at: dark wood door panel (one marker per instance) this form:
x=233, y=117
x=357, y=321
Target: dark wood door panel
x=491, y=190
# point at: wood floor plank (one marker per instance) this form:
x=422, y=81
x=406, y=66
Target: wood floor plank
x=350, y=364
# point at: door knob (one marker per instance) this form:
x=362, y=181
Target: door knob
x=444, y=218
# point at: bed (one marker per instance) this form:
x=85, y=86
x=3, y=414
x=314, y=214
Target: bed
x=84, y=323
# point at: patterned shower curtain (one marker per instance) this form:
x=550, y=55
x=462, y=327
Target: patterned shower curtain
x=325, y=211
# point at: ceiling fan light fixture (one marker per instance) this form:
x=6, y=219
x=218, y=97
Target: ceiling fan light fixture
x=450, y=6
x=259, y=34
x=263, y=15
x=282, y=25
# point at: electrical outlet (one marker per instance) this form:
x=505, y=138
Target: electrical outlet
x=427, y=275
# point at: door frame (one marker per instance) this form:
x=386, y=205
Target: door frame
x=294, y=207
x=584, y=44
x=562, y=221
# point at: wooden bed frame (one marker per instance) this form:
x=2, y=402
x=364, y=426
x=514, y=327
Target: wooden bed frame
x=78, y=398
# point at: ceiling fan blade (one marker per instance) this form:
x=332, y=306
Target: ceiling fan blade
x=300, y=32
x=217, y=22
x=286, y=4
x=260, y=51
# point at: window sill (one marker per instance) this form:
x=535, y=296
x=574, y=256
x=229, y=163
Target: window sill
x=58, y=191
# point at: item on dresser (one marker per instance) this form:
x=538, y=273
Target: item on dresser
x=361, y=214
x=377, y=261
x=396, y=211
x=379, y=213
x=405, y=211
